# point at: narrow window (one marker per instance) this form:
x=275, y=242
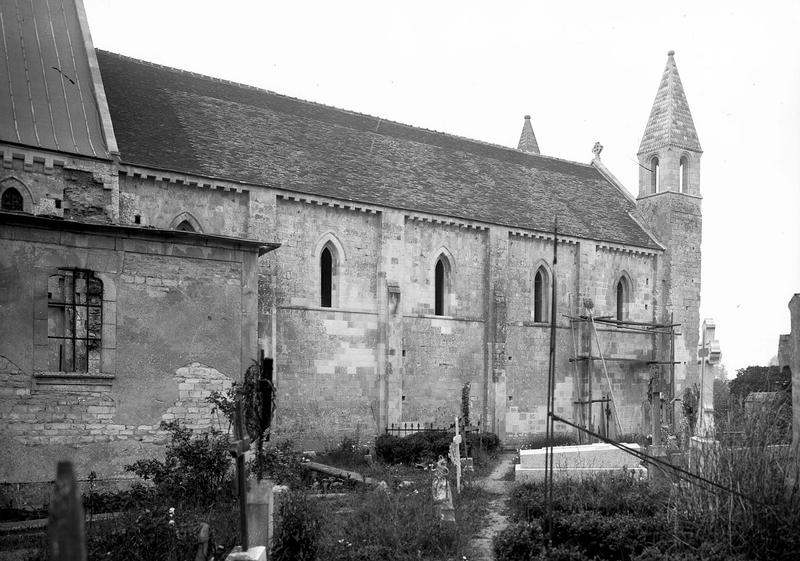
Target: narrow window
x=655, y=179
x=326, y=278
x=185, y=227
x=440, y=289
x=74, y=321
x=541, y=289
x=622, y=298
x=11, y=200
x=683, y=175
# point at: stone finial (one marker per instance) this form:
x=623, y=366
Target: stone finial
x=596, y=149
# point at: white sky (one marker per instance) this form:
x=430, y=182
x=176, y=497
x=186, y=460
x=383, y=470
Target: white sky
x=585, y=71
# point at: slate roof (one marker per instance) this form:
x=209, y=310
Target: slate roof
x=47, y=94
x=175, y=120
x=670, y=122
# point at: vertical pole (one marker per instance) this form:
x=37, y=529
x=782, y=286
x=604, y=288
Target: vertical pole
x=672, y=369
x=548, y=474
x=65, y=528
x=240, y=476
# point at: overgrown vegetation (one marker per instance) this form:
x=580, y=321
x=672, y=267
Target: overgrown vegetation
x=190, y=486
x=426, y=446
x=621, y=518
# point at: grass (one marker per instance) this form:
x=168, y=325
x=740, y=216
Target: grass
x=620, y=518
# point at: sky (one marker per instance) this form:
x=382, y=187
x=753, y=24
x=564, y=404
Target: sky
x=585, y=71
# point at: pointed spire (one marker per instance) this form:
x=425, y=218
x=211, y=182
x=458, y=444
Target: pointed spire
x=527, y=140
x=670, y=122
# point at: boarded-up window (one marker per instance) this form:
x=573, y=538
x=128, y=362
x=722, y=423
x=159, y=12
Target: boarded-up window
x=74, y=321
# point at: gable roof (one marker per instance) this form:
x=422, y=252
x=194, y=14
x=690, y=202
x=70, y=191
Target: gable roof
x=175, y=120
x=670, y=122
x=47, y=80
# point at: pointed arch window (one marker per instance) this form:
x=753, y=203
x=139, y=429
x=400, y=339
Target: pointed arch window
x=655, y=175
x=185, y=226
x=683, y=175
x=11, y=200
x=326, y=270
x=622, y=298
x=541, y=295
x=441, y=286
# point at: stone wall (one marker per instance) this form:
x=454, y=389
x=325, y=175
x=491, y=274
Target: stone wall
x=677, y=222
x=164, y=204
x=175, y=328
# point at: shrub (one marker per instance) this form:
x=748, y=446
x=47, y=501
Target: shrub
x=540, y=441
x=194, y=468
x=145, y=534
x=281, y=463
x=297, y=534
x=607, y=494
x=618, y=536
x=349, y=454
x=399, y=526
x=521, y=541
x=427, y=446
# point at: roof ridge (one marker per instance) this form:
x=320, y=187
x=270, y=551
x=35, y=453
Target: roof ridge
x=350, y=111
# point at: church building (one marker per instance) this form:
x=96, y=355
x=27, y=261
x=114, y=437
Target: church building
x=161, y=229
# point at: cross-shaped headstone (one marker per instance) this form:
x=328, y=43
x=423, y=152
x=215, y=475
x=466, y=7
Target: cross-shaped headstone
x=238, y=447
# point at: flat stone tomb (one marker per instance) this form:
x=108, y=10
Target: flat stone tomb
x=577, y=461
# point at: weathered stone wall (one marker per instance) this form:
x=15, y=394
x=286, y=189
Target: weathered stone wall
x=585, y=269
x=83, y=190
x=326, y=361
x=676, y=221
x=162, y=204
x=175, y=328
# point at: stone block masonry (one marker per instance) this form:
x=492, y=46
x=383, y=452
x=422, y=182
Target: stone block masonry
x=174, y=329
x=380, y=354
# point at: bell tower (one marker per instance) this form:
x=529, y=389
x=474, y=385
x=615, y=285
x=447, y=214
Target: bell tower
x=669, y=202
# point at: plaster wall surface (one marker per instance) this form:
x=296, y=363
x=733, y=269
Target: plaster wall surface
x=174, y=329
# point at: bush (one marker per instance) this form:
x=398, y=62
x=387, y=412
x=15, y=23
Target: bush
x=427, y=446
x=147, y=534
x=540, y=441
x=619, y=536
x=521, y=541
x=281, y=463
x=607, y=494
x=399, y=526
x=297, y=533
x=194, y=469
x=349, y=454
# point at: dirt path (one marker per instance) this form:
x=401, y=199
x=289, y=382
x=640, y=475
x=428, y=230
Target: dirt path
x=496, y=517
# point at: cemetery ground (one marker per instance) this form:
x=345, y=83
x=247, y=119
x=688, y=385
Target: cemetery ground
x=739, y=501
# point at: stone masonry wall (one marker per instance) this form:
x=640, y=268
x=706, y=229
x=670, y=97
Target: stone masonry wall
x=677, y=222
x=173, y=331
x=162, y=205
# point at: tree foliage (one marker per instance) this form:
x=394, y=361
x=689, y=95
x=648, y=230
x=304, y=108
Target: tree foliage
x=759, y=379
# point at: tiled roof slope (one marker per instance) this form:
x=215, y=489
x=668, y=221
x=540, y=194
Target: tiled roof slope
x=670, y=122
x=175, y=120
x=47, y=96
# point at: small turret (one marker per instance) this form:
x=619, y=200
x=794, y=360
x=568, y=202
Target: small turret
x=669, y=155
x=527, y=140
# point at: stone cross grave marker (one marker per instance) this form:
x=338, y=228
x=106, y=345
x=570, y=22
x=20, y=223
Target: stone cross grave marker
x=238, y=447
x=455, y=456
